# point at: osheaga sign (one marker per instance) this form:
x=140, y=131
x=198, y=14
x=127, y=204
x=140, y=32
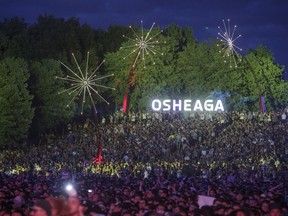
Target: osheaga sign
x=187, y=105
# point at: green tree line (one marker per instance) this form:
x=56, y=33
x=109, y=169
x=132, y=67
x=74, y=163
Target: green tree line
x=29, y=62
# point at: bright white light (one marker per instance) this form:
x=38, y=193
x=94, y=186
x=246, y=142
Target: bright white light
x=229, y=49
x=209, y=105
x=177, y=105
x=187, y=105
x=156, y=105
x=69, y=187
x=143, y=45
x=83, y=83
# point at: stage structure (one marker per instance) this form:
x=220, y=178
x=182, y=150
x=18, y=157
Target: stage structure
x=85, y=83
x=143, y=47
x=229, y=50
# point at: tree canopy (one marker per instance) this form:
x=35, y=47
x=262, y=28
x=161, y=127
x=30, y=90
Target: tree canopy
x=15, y=102
x=181, y=67
x=50, y=106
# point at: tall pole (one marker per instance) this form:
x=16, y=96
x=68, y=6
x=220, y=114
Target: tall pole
x=99, y=146
x=143, y=45
x=99, y=143
x=128, y=86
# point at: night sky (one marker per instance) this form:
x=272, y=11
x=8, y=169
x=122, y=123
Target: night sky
x=258, y=21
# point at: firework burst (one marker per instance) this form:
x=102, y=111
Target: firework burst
x=229, y=49
x=83, y=83
x=143, y=45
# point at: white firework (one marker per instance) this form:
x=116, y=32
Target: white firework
x=229, y=49
x=83, y=83
x=143, y=45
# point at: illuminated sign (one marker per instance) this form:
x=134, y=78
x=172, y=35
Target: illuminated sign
x=187, y=105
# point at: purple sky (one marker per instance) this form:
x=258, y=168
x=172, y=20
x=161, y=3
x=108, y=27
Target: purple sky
x=258, y=21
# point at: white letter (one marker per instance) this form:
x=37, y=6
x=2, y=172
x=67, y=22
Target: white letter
x=208, y=105
x=219, y=106
x=187, y=105
x=166, y=105
x=158, y=103
x=198, y=105
x=177, y=105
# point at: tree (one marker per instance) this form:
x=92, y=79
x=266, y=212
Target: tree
x=145, y=82
x=14, y=38
x=267, y=79
x=15, y=102
x=54, y=38
x=110, y=40
x=50, y=107
x=202, y=70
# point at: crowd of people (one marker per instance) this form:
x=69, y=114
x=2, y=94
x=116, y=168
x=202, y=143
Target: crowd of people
x=226, y=163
